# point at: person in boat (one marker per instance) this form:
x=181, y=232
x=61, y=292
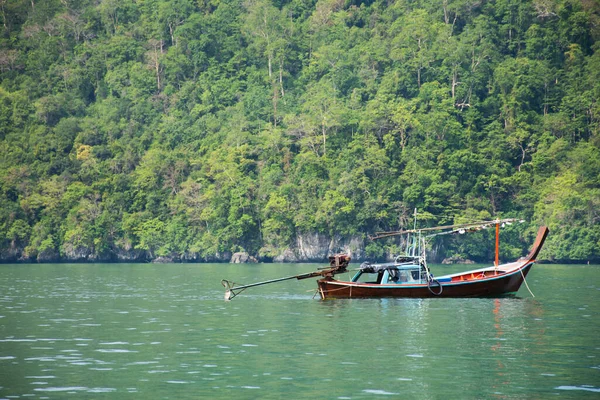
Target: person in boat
x=404, y=276
x=394, y=276
x=399, y=277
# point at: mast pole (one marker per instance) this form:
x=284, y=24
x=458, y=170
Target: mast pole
x=417, y=238
x=497, y=262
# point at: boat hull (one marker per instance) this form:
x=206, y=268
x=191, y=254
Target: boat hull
x=499, y=285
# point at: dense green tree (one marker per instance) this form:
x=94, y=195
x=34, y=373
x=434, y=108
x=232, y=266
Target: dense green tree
x=194, y=129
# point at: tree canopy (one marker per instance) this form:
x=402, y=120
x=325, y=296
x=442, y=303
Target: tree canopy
x=188, y=129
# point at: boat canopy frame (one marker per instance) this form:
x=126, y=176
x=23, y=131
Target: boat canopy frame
x=367, y=267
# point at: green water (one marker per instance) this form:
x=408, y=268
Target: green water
x=123, y=331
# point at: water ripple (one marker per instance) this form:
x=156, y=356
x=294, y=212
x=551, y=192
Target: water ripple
x=586, y=388
x=112, y=343
x=102, y=390
x=61, y=389
x=116, y=351
x=382, y=392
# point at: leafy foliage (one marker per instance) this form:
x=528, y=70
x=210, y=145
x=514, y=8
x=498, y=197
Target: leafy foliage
x=191, y=130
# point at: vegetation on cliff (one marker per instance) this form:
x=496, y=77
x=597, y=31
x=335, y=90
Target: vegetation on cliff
x=133, y=129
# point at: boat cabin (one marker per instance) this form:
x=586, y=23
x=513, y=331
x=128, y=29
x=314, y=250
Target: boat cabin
x=408, y=272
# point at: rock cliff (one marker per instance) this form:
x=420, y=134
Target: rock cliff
x=308, y=247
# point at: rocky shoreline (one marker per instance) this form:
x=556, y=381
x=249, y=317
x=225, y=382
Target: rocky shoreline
x=308, y=248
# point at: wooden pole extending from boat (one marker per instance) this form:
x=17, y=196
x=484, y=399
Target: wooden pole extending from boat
x=233, y=290
x=457, y=228
x=337, y=265
x=497, y=245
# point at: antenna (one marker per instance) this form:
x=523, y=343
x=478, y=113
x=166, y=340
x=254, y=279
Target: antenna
x=415, y=225
x=417, y=237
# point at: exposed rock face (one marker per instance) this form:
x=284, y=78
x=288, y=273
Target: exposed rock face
x=218, y=257
x=163, y=260
x=50, y=255
x=309, y=247
x=355, y=247
x=316, y=247
x=11, y=254
x=130, y=255
x=312, y=247
x=78, y=253
x=457, y=260
x=241, y=258
x=288, y=255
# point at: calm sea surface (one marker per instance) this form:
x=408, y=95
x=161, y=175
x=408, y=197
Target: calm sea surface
x=132, y=331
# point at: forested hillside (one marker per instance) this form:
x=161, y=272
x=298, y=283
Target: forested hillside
x=192, y=129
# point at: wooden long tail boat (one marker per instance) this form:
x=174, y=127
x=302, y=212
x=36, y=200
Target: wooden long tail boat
x=409, y=276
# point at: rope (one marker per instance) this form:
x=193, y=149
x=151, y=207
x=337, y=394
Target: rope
x=342, y=288
x=525, y=281
x=322, y=293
